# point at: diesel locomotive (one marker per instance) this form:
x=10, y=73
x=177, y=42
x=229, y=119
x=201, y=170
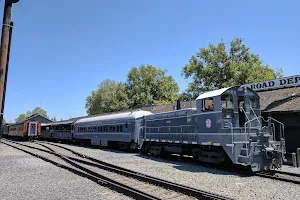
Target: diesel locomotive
x=224, y=127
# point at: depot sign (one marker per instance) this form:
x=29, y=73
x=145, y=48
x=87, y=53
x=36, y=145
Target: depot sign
x=276, y=83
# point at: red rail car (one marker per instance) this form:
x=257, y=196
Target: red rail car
x=25, y=130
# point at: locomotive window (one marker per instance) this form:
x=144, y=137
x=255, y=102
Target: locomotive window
x=208, y=104
x=227, y=105
x=114, y=129
x=121, y=128
x=227, y=101
x=118, y=128
x=254, y=103
x=126, y=125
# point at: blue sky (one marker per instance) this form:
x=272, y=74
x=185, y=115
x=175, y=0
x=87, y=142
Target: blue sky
x=62, y=49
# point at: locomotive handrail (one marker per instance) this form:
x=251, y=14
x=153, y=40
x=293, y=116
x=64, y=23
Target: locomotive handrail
x=244, y=113
x=181, y=126
x=246, y=134
x=274, y=134
x=282, y=127
x=170, y=126
x=256, y=117
x=232, y=138
x=281, y=130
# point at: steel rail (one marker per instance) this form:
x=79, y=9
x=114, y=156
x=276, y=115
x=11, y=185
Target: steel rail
x=143, y=177
x=285, y=173
x=95, y=177
x=272, y=176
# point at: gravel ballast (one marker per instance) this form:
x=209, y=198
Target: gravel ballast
x=26, y=177
x=295, y=170
x=225, y=183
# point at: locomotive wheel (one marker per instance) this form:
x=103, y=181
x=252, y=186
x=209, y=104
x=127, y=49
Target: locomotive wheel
x=196, y=155
x=145, y=149
x=227, y=162
x=164, y=153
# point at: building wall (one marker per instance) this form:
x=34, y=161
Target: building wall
x=291, y=121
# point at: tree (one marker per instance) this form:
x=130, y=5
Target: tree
x=187, y=96
x=37, y=110
x=214, y=67
x=22, y=117
x=148, y=85
x=3, y=121
x=111, y=96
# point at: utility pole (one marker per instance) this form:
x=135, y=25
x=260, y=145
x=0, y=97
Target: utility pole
x=4, y=53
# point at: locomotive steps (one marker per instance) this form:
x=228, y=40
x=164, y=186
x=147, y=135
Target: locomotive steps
x=130, y=183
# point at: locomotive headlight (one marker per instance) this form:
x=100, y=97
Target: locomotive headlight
x=269, y=152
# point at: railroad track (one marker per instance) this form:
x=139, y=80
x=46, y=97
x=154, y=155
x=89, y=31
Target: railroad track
x=130, y=183
x=276, y=175
x=281, y=176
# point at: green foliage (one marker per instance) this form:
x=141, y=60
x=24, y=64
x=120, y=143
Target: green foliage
x=214, y=67
x=3, y=121
x=145, y=86
x=37, y=110
x=148, y=85
x=187, y=96
x=110, y=96
x=22, y=117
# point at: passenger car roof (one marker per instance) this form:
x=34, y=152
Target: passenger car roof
x=118, y=116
